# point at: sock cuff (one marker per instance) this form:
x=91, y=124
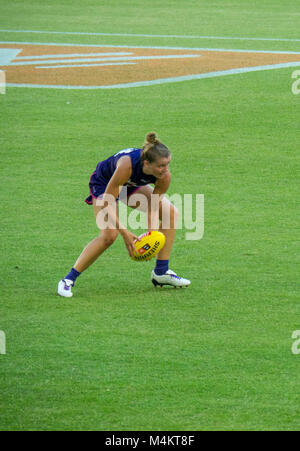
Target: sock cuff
x=73, y=274
x=76, y=272
x=162, y=267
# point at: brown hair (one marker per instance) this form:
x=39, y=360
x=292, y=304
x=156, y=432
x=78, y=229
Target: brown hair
x=154, y=149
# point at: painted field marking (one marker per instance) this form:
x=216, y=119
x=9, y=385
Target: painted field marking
x=242, y=70
x=87, y=60
x=7, y=55
x=218, y=38
x=73, y=55
x=147, y=75
x=206, y=49
x=84, y=65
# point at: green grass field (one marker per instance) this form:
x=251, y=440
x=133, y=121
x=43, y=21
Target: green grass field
x=121, y=355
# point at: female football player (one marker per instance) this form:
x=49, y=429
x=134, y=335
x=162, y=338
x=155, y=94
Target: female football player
x=131, y=170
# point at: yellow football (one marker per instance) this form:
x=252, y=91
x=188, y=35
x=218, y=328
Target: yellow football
x=150, y=245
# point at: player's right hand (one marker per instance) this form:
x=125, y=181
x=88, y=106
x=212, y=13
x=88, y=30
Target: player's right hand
x=129, y=239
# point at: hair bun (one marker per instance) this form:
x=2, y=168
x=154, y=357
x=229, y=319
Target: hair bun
x=152, y=138
x=153, y=149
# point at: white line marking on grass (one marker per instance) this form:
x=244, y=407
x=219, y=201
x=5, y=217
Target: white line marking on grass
x=203, y=49
x=7, y=55
x=84, y=65
x=88, y=60
x=161, y=81
x=70, y=55
x=177, y=36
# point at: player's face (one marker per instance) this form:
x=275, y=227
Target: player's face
x=158, y=168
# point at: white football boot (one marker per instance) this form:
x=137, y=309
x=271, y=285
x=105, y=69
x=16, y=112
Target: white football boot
x=169, y=278
x=64, y=288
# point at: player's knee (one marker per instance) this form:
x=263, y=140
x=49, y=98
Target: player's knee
x=109, y=237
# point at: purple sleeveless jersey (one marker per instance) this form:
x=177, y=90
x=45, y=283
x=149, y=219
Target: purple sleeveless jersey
x=105, y=170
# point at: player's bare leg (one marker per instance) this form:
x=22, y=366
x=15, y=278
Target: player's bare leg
x=96, y=247
x=170, y=231
x=168, y=216
x=89, y=255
